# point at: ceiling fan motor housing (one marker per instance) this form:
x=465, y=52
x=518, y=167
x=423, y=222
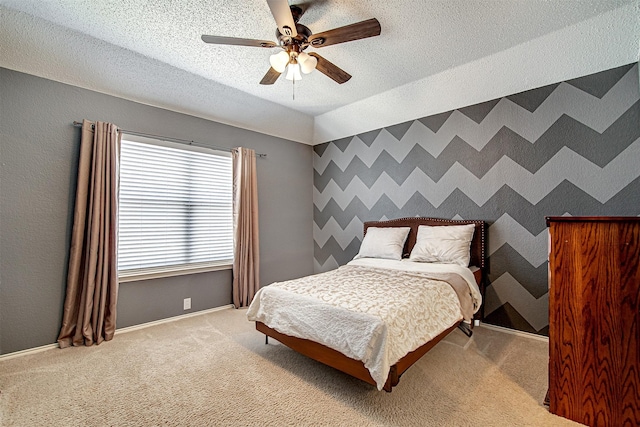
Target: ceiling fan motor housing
x=301, y=39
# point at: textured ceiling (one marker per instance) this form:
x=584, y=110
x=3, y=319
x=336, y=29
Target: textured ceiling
x=155, y=54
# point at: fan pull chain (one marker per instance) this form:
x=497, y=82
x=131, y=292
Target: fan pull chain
x=293, y=89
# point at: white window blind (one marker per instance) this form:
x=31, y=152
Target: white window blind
x=175, y=208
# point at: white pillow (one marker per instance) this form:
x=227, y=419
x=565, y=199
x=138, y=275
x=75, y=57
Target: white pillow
x=383, y=242
x=448, y=244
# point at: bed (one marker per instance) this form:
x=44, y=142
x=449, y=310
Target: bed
x=368, y=318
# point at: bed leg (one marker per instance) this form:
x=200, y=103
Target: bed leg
x=465, y=328
x=266, y=340
x=392, y=380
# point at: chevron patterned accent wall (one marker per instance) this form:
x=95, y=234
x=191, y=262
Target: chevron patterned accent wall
x=567, y=148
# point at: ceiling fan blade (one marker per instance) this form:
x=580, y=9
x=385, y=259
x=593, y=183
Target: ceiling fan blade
x=282, y=14
x=330, y=69
x=359, y=30
x=237, y=41
x=270, y=78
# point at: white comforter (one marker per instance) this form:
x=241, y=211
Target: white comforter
x=371, y=310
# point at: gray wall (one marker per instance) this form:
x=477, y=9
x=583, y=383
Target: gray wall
x=571, y=147
x=38, y=156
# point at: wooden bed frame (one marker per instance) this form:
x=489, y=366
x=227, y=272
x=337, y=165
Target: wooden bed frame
x=356, y=368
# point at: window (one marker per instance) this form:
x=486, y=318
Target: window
x=175, y=211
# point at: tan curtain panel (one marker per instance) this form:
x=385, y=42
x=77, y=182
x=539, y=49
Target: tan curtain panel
x=246, y=260
x=92, y=281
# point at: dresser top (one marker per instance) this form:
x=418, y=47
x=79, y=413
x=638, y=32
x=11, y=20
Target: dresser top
x=592, y=219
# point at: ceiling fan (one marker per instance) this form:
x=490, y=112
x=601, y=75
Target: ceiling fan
x=294, y=38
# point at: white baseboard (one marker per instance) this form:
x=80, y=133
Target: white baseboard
x=515, y=332
x=171, y=319
x=28, y=351
x=35, y=350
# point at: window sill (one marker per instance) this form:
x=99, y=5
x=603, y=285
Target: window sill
x=157, y=273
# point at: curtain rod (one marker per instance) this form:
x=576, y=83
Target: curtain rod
x=168, y=138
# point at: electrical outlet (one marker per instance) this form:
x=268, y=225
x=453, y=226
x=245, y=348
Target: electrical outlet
x=187, y=304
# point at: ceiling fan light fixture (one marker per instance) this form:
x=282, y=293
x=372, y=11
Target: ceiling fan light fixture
x=302, y=57
x=293, y=72
x=309, y=64
x=279, y=61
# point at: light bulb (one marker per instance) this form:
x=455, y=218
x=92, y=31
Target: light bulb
x=279, y=61
x=293, y=72
x=309, y=64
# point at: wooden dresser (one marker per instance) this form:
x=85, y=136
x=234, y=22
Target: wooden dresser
x=594, y=319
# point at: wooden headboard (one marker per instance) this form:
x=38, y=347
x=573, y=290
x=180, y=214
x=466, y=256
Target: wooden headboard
x=478, y=244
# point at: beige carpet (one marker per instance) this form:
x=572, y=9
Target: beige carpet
x=215, y=369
